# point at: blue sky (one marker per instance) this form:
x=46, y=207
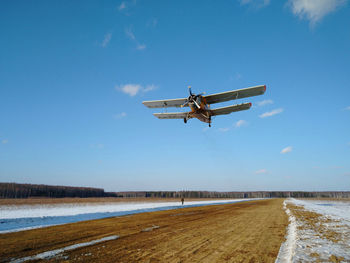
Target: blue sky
x=73, y=75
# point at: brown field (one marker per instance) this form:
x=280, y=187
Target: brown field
x=243, y=232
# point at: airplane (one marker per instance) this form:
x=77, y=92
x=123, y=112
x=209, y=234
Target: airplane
x=200, y=105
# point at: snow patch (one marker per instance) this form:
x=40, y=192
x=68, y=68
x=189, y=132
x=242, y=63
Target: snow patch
x=287, y=248
x=308, y=242
x=53, y=253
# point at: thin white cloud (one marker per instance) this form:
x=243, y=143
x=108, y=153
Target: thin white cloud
x=240, y=123
x=134, y=89
x=150, y=88
x=287, y=150
x=255, y=3
x=4, y=141
x=130, y=89
x=130, y=34
x=119, y=115
x=140, y=46
x=106, y=40
x=122, y=6
x=238, y=75
x=223, y=129
x=97, y=145
x=264, y=102
x=347, y=108
x=271, y=113
x=334, y=167
x=153, y=22
x=261, y=171
x=314, y=10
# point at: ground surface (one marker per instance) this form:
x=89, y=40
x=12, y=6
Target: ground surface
x=242, y=232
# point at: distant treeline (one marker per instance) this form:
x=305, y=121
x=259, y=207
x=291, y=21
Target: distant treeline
x=257, y=194
x=13, y=190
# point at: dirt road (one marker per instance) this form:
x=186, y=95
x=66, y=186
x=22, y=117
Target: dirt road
x=242, y=232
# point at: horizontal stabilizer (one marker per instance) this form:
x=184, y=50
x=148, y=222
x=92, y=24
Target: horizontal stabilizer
x=173, y=115
x=235, y=94
x=164, y=103
x=229, y=109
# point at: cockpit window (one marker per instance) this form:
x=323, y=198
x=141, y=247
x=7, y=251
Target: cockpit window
x=199, y=100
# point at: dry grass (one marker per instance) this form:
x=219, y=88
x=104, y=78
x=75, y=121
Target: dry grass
x=242, y=232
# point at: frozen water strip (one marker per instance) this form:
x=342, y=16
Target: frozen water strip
x=287, y=249
x=53, y=253
x=31, y=211
x=23, y=223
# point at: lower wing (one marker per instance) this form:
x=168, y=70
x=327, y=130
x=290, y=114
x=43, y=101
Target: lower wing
x=229, y=109
x=173, y=115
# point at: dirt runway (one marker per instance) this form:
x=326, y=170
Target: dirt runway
x=242, y=232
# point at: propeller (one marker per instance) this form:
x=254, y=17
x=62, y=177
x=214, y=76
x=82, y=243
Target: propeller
x=192, y=98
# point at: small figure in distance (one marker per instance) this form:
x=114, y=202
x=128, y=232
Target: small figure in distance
x=182, y=200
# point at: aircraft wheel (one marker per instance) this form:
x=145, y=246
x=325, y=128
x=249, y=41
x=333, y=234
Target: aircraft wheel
x=185, y=120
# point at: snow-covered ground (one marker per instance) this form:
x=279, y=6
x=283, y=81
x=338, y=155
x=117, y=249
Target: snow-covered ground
x=23, y=217
x=318, y=231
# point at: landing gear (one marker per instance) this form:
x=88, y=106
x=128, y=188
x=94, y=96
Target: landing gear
x=185, y=120
x=209, y=125
x=209, y=121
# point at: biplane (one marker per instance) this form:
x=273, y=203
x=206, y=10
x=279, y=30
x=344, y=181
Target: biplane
x=200, y=104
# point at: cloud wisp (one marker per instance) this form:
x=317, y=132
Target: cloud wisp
x=134, y=89
x=314, y=10
x=119, y=115
x=255, y=3
x=287, y=150
x=141, y=47
x=4, y=141
x=106, y=40
x=271, y=113
x=97, y=145
x=223, y=129
x=261, y=171
x=130, y=34
x=153, y=22
x=264, y=102
x=237, y=124
x=122, y=6
x=241, y=123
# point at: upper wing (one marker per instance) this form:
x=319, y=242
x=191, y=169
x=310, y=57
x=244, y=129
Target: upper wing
x=229, y=109
x=235, y=94
x=164, y=103
x=173, y=115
